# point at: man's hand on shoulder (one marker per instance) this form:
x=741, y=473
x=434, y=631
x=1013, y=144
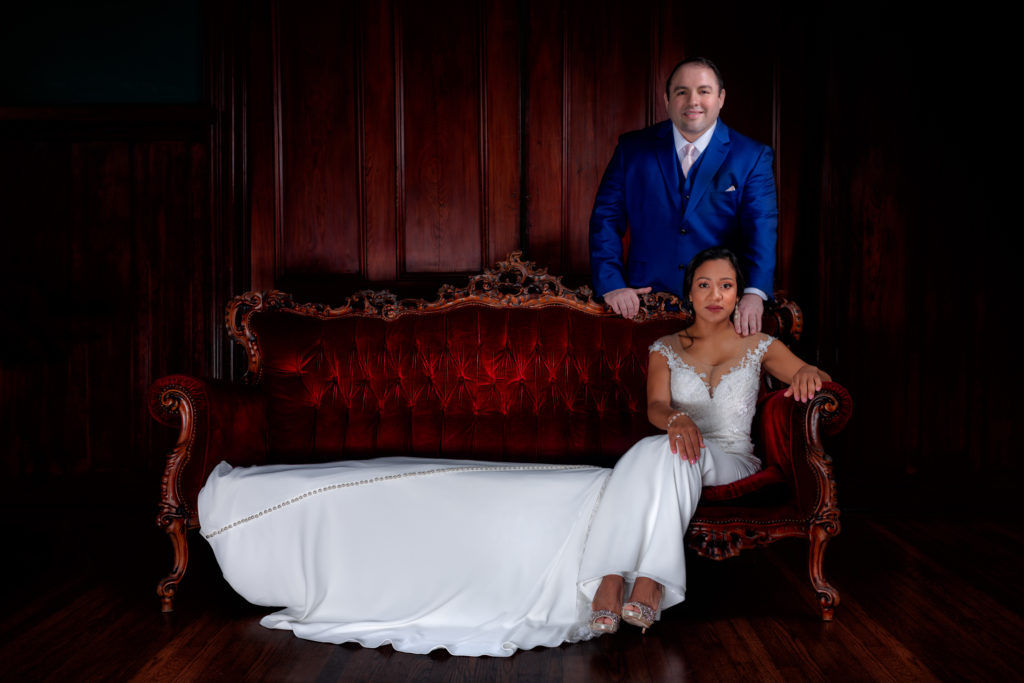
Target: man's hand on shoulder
x=748, y=314
x=625, y=301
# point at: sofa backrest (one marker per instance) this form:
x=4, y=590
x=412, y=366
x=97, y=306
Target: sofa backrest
x=514, y=367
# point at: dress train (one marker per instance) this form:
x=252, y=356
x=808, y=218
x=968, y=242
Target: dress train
x=479, y=558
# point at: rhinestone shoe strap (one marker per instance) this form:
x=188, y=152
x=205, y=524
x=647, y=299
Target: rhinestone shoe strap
x=646, y=613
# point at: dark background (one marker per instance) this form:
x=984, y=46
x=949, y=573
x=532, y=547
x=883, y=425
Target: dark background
x=155, y=162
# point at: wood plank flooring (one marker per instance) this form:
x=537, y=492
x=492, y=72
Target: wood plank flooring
x=925, y=596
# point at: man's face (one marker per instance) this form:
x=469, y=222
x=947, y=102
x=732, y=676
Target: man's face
x=694, y=100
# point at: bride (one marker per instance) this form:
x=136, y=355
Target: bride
x=486, y=558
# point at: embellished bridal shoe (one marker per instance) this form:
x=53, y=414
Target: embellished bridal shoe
x=608, y=584
x=640, y=614
x=602, y=627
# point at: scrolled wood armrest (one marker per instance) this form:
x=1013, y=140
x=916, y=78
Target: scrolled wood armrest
x=790, y=436
x=833, y=406
x=216, y=420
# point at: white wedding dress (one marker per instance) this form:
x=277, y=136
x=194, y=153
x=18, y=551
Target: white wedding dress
x=475, y=557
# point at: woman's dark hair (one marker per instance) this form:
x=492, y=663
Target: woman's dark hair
x=712, y=254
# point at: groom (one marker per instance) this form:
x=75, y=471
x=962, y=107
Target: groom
x=683, y=185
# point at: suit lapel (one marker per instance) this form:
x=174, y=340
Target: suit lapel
x=669, y=163
x=714, y=155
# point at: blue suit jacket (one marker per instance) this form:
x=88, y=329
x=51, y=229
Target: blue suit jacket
x=732, y=203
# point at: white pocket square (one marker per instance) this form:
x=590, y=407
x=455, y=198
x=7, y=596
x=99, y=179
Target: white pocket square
x=731, y=188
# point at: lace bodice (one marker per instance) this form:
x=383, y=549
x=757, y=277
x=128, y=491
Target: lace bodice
x=723, y=412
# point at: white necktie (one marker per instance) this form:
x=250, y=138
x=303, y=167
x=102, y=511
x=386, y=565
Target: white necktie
x=689, y=154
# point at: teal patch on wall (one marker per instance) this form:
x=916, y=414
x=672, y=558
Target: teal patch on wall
x=63, y=52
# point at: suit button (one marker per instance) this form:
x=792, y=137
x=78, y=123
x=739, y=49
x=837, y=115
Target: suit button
x=682, y=266
x=682, y=231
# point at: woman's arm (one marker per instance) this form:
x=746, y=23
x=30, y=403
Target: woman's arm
x=803, y=379
x=683, y=435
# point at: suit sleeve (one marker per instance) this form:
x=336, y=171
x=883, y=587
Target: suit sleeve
x=607, y=227
x=759, y=221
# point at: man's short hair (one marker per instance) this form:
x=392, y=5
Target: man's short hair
x=703, y=61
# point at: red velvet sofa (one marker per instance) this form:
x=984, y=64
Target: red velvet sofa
x=513, y=367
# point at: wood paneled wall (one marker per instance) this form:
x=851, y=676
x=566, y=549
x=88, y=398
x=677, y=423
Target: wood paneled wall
x=386, y=139
x=399, y=141
x=899, y=251
x=108, y=235
x=122, y=240
x=400, y=144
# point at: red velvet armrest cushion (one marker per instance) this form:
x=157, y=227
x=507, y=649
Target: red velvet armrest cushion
x=779, y=435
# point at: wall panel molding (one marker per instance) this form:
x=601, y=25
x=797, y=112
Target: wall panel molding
x=127, y=228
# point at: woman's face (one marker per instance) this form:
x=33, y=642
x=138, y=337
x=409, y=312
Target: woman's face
x=713, y=292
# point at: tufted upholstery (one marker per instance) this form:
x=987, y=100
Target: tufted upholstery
x=477, y=382
x=514, y=367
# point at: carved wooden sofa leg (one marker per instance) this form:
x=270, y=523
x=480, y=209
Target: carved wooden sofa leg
x=176, y=528
x=828, y=596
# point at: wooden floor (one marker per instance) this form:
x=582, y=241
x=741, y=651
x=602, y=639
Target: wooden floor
x=925, y=596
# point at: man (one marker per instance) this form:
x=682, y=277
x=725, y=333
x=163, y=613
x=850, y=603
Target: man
x=683, y=185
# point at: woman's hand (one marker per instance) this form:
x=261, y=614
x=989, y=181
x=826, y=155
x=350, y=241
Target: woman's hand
x=806, y=381
x=683, y=435
x=684, y=438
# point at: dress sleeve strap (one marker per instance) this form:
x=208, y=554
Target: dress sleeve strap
x=662, y=348
x=762, y=347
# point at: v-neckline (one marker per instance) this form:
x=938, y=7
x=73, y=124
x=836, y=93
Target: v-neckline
x=703, y=376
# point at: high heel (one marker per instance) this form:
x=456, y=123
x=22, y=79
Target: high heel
x=640, y=614
x=601, y=627
x=609, y=584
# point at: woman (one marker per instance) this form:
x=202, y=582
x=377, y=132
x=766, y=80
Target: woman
x=702, y=387
x=486, y=558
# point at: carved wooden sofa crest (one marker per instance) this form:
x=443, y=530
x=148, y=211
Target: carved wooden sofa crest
x=513, y=367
